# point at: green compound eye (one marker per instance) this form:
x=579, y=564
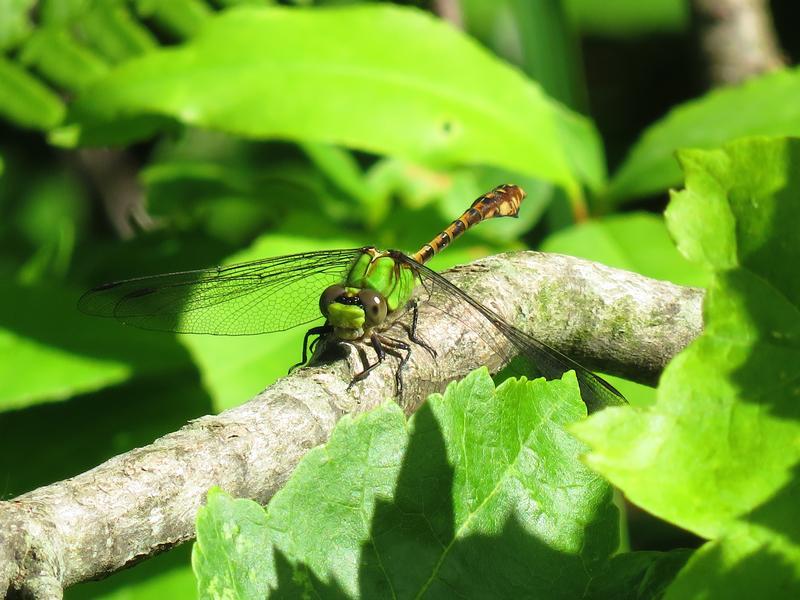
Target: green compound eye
x=374, y=305
x=329, y=296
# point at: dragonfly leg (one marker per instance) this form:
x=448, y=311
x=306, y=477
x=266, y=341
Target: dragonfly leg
x=412, y=331
x=376, y=343
x=319, y=332
x=396, y=348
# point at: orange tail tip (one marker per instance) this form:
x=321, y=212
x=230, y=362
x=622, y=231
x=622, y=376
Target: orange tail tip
x=502, y=201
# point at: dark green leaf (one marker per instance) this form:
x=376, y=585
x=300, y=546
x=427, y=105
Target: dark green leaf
x=629, y=17
x=638, y=576
x=49, y=351
x=183, y=18
x=25, y=101
x=481, y=494
x=109, y=27
x=762, y=106
x=55, y=54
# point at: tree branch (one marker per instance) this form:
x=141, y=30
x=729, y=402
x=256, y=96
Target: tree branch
x=738, y=38
x=144, y=501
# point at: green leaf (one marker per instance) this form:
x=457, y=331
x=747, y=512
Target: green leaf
x=183, y=18
x=637, y=575
x=25, y=101
x=166, y=575
x=54, y=53
x=343, y=170
x=623, y=18
x=15, y=23
x=234, y=369
x=718, y=453
x=227, y=557
x=478, y=481
x=404, y=84
x=109, y=28
x=76, y=436
x=536, y=36
x=762, y=106
x=49, y=351
x=756, y=558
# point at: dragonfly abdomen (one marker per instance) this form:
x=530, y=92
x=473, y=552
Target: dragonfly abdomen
x=502, y=201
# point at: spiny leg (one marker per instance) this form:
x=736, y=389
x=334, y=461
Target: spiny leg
x=412, y=331
x=393, y=346
x=319, y=332
x=376, y=343
x=384, y=345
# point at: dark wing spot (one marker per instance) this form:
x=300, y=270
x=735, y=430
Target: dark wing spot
x=142, y=292
x=105, y=286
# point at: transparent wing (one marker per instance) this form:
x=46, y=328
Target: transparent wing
x=537, y=356
x=261, y=296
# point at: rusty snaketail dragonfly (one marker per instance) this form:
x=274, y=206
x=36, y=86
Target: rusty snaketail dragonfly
x=357, y=291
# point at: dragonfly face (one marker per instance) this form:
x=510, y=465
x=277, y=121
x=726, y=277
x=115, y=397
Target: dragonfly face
x=376, y=286
x=352, y=312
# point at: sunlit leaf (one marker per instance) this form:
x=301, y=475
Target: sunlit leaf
x=480, y=494
x=404, y=84
x=718, y=453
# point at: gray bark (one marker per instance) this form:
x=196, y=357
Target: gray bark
x=738, y=38
x=145, y=500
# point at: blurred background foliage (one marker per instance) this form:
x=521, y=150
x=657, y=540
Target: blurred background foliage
x=139, y=136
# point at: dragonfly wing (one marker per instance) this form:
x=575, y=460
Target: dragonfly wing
x=508, y=341
x=260, y=296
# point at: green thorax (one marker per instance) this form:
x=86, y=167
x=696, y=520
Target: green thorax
x=378, y=271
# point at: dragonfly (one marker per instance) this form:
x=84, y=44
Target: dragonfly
x=359, y=292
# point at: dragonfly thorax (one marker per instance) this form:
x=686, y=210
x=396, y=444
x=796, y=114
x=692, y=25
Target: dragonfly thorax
x=352, y=312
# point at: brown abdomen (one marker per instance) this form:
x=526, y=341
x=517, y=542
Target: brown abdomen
x=502, y=201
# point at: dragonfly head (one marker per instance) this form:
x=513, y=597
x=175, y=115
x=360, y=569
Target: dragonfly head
x=352, y=311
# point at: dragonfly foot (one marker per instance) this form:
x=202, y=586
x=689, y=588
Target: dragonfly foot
x=317, y=331
x=412, y=330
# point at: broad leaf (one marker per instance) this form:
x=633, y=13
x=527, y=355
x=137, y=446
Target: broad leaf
x=49, y=351
x=763, y=106
x=638, y=575
x=403, y=84
x=718, y=453
x=480, y=494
